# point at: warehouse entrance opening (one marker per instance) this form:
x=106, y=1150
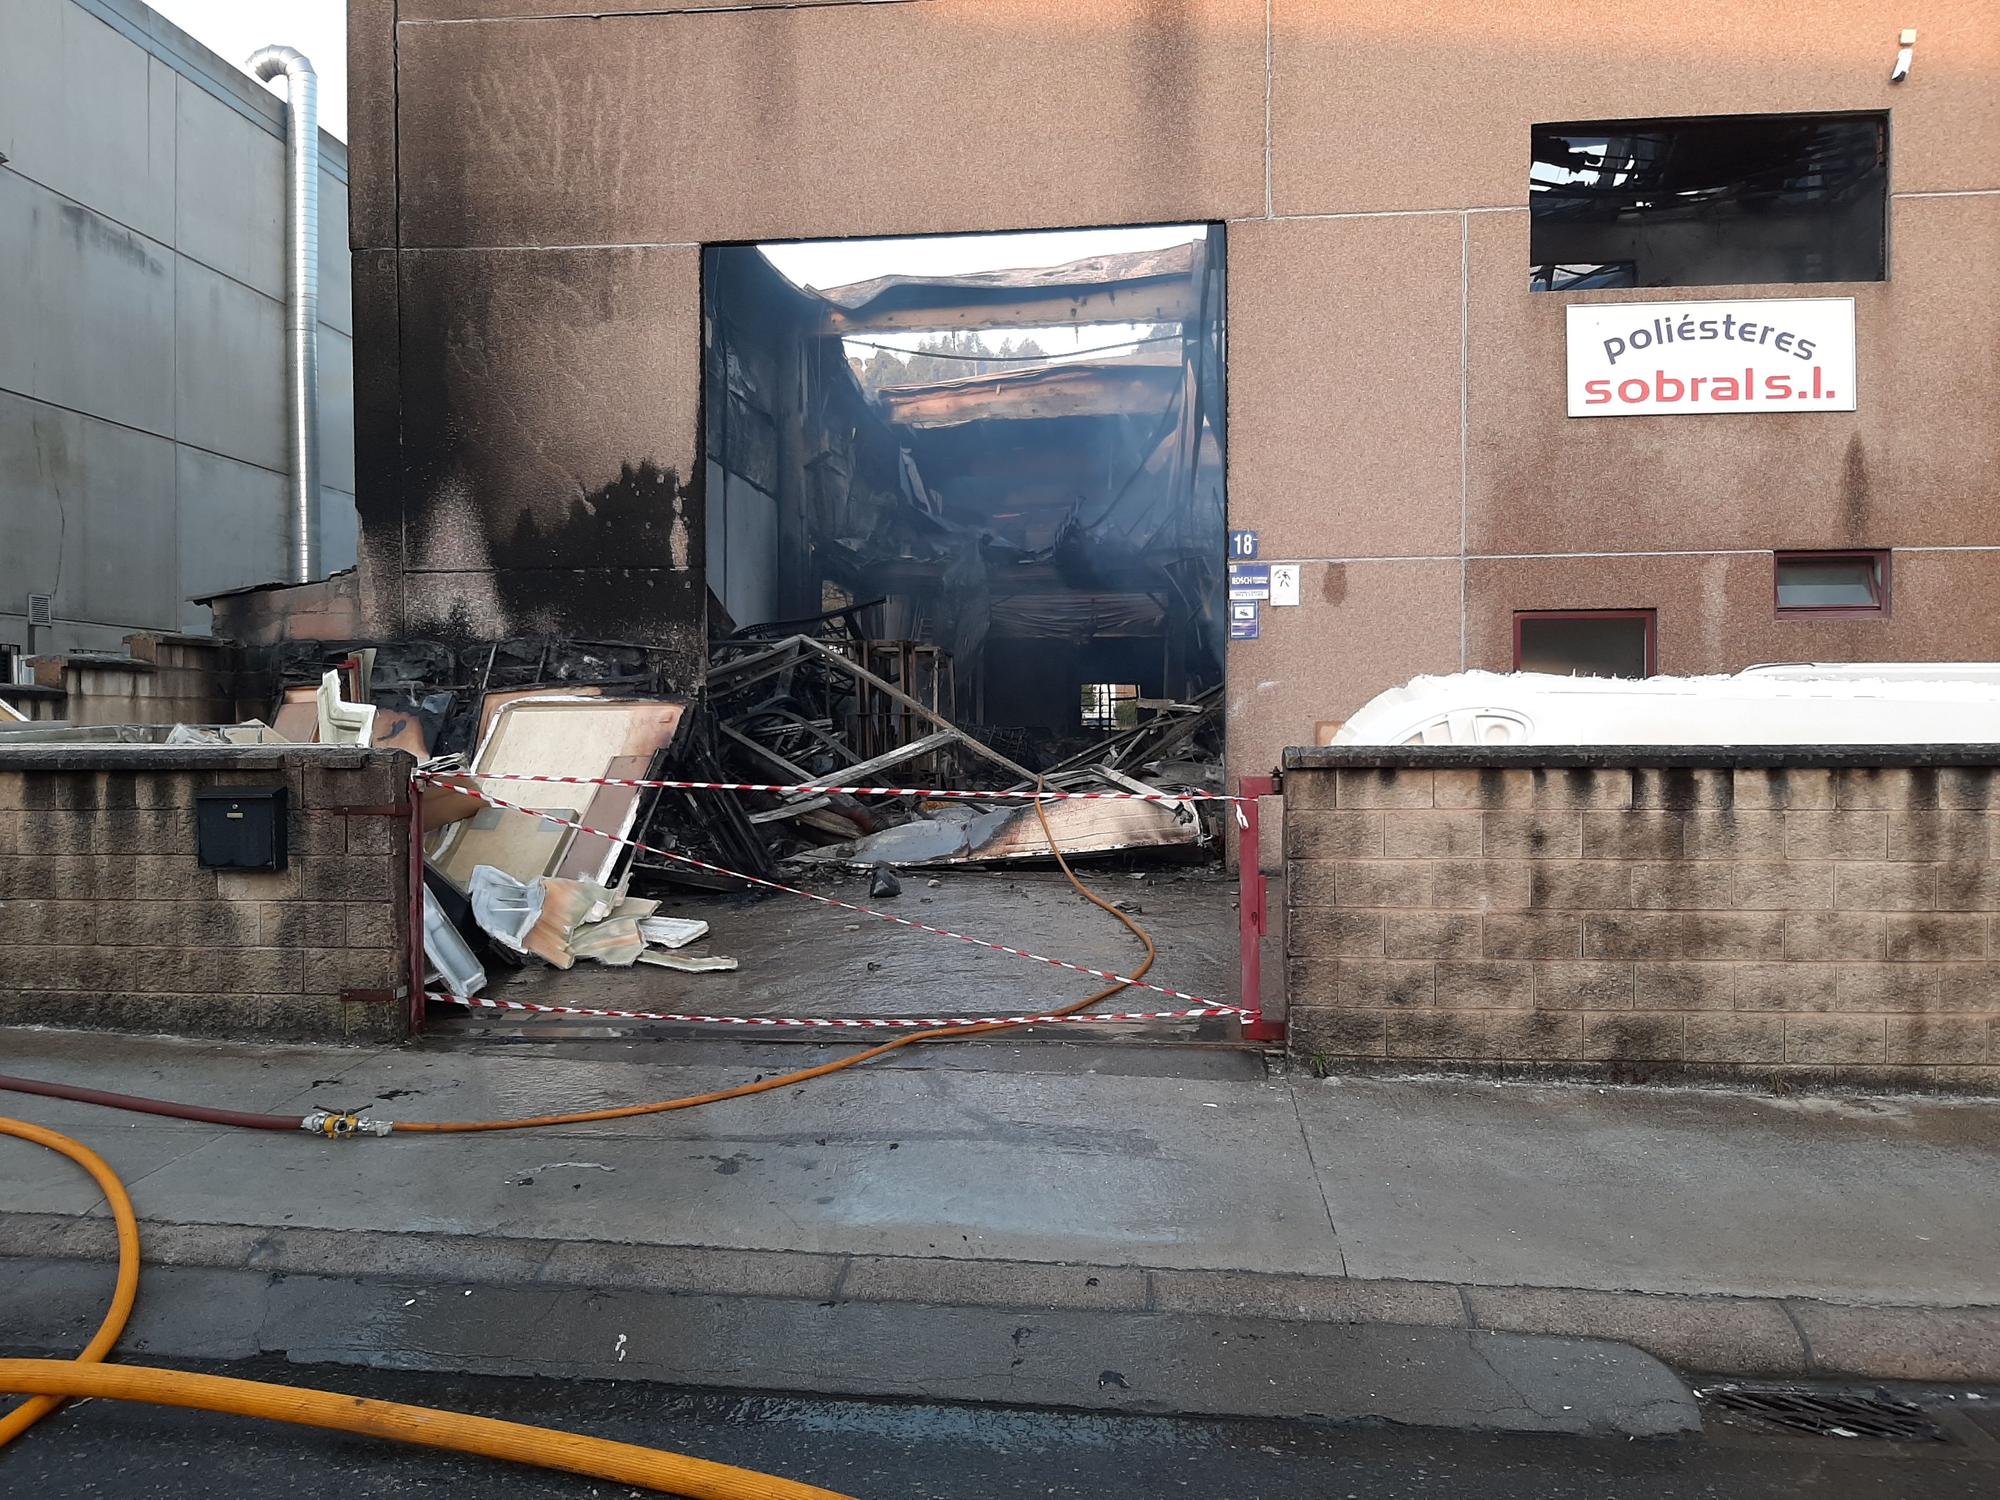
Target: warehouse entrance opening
x=989, y=468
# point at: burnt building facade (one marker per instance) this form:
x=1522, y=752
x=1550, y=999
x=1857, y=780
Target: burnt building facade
x=1425, y=213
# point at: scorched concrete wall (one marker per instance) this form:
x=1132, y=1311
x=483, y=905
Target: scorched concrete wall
x=533, y=182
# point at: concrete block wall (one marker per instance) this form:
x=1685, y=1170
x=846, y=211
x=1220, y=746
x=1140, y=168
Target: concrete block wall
x=107, y=919
x=161, y=679
x=1647, y=915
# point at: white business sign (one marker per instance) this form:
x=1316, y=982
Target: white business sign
x=1629, y=359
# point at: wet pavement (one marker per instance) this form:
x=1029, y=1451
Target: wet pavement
x=803, y=958
x=1155, y=1173
x=1182, y=1159
x=915, y=1451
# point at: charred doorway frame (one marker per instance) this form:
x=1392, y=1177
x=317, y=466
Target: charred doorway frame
x=1203, y=396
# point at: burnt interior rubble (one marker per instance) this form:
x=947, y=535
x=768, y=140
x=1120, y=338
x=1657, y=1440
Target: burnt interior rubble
x=990, y=544
x=975, y=583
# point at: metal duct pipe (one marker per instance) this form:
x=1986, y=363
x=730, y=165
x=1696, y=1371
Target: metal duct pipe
x=301, y=299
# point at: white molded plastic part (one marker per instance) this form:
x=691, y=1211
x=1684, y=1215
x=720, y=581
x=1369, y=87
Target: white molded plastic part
x=342, y=723
x=448, y=952
x=671, y=932
x=503, y=906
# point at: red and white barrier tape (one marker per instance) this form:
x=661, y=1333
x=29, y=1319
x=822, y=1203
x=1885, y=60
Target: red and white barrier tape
x=866, y=911
x=826, y=1023
x=807, y=789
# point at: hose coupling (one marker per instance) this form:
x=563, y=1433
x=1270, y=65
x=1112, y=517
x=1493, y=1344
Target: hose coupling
x=339, y=1125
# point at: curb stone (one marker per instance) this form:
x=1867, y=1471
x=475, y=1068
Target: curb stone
x=1721, y=1335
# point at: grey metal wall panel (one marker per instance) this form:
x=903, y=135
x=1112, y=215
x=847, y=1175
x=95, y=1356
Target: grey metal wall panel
x=121, y=534
x=163, y=160
x=231, y=525
x=336, y=412
x=87, y=306
x=74, y=635
x=33, y=443
x=336, y=279
x=142, y=244
x=230, y=211
x=230, y=370
x=89, y=515
x=76, y=114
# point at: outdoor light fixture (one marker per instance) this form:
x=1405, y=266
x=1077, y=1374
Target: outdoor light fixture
x=1907, y=42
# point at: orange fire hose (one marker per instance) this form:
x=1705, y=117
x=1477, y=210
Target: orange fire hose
x=28, y=1413
x=456, y=1432
x=48, y=1383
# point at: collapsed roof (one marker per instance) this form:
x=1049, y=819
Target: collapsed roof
x=1139, y=286
x=1068, y=388
x=1058, y=515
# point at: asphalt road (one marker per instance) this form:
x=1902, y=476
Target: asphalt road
x=893, y=1451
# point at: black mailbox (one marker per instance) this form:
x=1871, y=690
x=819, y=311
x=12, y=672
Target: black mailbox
x=240, y=827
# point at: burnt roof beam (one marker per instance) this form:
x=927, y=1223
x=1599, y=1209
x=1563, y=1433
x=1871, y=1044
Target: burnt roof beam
x=919, y=309
x=1049, y=393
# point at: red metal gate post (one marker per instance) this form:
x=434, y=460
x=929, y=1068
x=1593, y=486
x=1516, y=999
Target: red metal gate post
x=1251, y=911
x=415, y=829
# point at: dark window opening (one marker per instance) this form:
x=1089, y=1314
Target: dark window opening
x=1005, y=452
x=1836, y=583
x=1726, y=200
x=1585, y=642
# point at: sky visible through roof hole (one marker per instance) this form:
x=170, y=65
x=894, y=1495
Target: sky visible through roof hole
x=824, y=264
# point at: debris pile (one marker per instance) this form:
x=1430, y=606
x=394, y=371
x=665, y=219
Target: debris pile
x=503, y=889
x=809, y=703
x=805, y=710
x=559, y=921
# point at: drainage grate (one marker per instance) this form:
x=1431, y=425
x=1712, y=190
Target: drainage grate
x=1827, y=1413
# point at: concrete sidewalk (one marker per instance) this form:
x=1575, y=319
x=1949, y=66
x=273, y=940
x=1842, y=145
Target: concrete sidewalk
x=1718, y=1232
